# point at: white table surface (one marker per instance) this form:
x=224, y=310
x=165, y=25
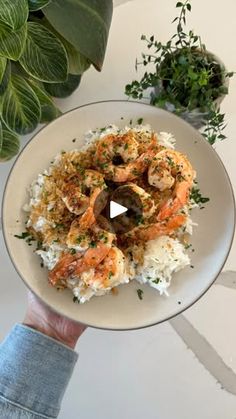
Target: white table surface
x=181, y=369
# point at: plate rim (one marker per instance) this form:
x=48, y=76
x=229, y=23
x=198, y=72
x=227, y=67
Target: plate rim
x=178, y=311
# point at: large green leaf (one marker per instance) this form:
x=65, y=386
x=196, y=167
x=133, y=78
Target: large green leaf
x=9, y=143
x=14, y=13
x=78, y=64
x=37, y=4
x=44, y=57
x=6, y=78
x=48, y=109
x=3, y=64
x=21, y=110
x=1, y=135
x=83, y=23
x=65, y=89
x=12, y=42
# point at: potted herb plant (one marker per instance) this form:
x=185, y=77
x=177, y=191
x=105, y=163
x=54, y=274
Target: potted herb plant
x=45, y=46
x=186, y=78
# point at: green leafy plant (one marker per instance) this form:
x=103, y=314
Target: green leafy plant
x=45, y=46
x=187, y=79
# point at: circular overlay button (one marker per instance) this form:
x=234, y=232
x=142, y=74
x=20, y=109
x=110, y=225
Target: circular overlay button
x=121, y=207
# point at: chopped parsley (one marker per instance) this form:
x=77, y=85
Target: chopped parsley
x=140, y=121
x=39, y=245
x=26, y=236
x=59, y=226
x=76, y=300
x=140, y=293
x=139, y=219
x=156, y=281
x=23, y=235
x=170, y=161
x=93, y=244
x=197, y=197
x=72, y=251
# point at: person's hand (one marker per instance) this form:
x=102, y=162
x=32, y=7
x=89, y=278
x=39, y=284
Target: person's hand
x=46, y=321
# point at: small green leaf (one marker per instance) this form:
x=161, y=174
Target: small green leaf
x=6, y=78
x=44, y=57
x=179, y=4
x=230, y=74
x=48, y=109
x=189, y=7
x=14, y=13
x=20, y=106
x=65, y=89
x=37, y=4
x=3, y=64
x=12, y=42
x=9, y=143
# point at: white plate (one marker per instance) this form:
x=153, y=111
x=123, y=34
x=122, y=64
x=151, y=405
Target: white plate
x=211, y=240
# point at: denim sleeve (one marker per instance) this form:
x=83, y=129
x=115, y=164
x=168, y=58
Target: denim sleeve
x=34, y=372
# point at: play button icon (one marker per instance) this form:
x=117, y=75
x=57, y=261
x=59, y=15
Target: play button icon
x=116, y=209
x=121, y=207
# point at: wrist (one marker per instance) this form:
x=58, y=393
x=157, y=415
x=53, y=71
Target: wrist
x=52, y=324
x=51, y=332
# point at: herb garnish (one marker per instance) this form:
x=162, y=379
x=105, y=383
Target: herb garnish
x=76, y=300
x=140, y=293
x=197, y=197
x=140, y=121
x=25, y=236
x=156, y=281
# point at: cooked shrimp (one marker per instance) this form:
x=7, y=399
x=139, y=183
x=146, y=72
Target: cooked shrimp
x=146, y=141
x=72, y=265
x=161, y=228
x=113, y=146
x=92, y=246
x=170, y=168
x=81, y=239
x=108, y=273
x=79, y=190
x=136, y=198
x=97, y=203
x=122, y=149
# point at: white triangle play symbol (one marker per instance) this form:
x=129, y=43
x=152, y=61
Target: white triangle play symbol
x=116, y=209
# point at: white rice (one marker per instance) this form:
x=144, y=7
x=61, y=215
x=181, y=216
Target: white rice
x=163, y=257
x=164, y=138
x=51, y=255
x=84, y=289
